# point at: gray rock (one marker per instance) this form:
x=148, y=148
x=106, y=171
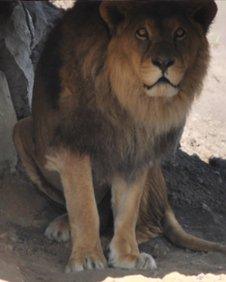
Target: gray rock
x=7, y=121
x=20, y=36
x=15, y=60
x=24, y=26
x=42, y=18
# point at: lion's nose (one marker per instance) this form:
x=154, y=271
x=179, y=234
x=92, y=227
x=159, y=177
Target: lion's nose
x=163, y=63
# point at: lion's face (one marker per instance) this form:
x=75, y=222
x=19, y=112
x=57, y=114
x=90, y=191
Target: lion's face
x=161, y=51
x=160, y=41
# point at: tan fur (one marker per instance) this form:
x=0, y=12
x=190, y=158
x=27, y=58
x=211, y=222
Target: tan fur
x=59, y=229
x=76, y=177
x=23, y=141
x=165, y=112
x=126, y=203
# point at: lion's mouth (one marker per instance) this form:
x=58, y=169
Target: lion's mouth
x=162, y=80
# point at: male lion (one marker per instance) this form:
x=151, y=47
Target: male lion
x=112, y=91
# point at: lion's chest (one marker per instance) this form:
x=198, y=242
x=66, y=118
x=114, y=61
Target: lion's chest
x=129, y=156
x=122, y=149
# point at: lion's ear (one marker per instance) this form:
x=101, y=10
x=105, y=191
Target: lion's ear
x=112, y=12
x=204, y=12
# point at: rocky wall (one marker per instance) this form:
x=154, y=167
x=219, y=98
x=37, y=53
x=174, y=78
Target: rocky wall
x=24, y=26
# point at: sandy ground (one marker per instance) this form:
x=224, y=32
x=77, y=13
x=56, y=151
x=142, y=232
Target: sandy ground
x=199, y=201
x=64, y=4
x=205, y=133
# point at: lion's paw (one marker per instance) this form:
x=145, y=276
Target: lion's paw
x=142, y=261
x=146, y=261
x=58, y=229
x=89, y=262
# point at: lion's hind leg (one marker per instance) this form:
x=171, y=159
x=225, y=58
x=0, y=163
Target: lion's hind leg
x=59, y=229
x=154, y=202
x=156, y=217
x=25, y=147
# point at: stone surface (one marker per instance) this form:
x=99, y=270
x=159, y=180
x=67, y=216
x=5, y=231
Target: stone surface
x=24, y=26
x=43, y=16
x=7, y=121
x=21, y=34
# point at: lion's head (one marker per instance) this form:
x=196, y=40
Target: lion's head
x=160, y=40
x=158, y=49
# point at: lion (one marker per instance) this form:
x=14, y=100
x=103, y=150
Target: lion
x=112, y=91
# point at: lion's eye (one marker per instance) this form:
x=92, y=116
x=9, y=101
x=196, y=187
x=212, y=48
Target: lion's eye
x=142, y=33
x=179, y=33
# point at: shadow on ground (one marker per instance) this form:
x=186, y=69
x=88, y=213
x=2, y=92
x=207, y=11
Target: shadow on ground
x=197, y=192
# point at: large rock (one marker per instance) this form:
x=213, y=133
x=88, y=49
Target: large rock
x=25, y=26
x=44, y=16
x=7, y=121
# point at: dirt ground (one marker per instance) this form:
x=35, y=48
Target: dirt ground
x=199, y=201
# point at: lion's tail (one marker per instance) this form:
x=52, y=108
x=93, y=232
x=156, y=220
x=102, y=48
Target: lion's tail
x=156, y=217
x=176, y=234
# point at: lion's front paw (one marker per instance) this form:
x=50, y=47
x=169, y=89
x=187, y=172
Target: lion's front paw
x=131, y=259
x=141, y=261
x=82, y=262
x=146, y=261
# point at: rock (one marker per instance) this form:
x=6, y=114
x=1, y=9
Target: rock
x=15, y=60
x=6, y=8
x=24, y=26
x=21, y=32
x=219, y=165
x=7, y=121
x=44, y=16
x=41, y=19
x=158, y=247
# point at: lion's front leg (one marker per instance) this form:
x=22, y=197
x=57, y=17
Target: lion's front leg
x=76, y=177
x=124, y=251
